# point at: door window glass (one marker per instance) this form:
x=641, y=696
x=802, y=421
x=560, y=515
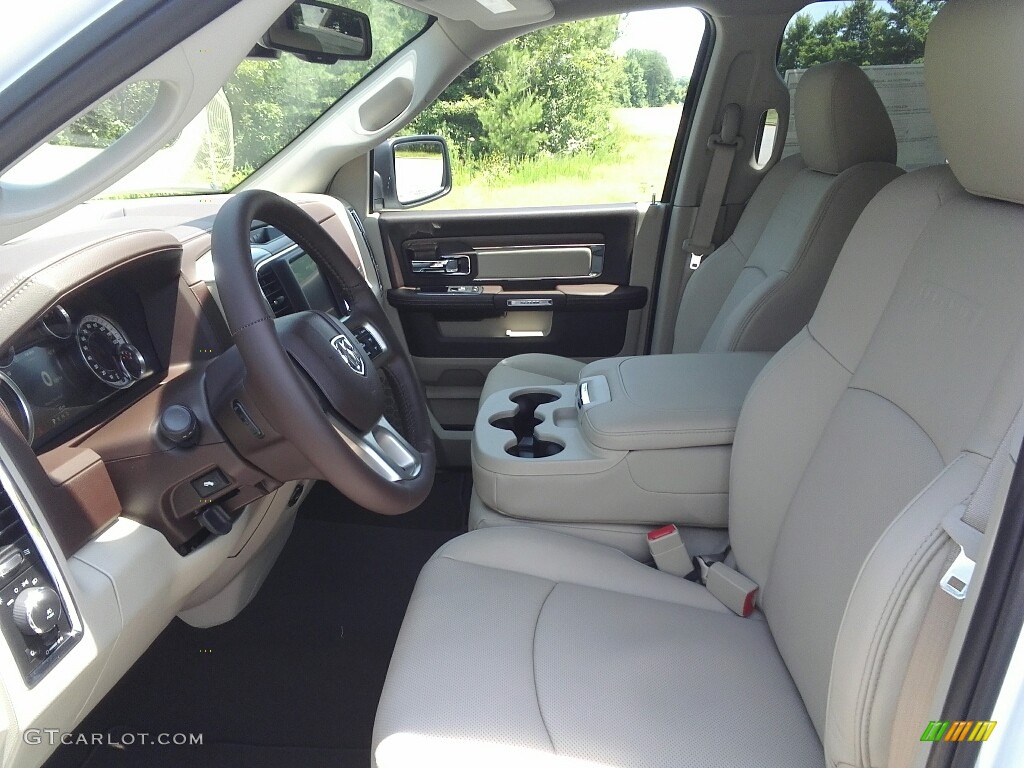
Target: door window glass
x=584, y=112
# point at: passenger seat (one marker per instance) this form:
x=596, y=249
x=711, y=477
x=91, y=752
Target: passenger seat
x=761, y=286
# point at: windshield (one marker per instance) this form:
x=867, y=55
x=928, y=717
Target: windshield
x=270, y=99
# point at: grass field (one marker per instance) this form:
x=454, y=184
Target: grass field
x=633, y=172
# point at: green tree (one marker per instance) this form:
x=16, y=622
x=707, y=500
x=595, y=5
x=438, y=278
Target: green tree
x=657, y=85
x=112, y=118
x=274, y=100
x=512, y=113
x=861, y=32
x=634, y=92
x=682, y=86
x=569, y=69
x=577, y=80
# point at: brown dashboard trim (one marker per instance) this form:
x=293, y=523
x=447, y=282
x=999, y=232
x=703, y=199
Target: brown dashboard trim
x=82, y=474
x=28, y=293
x=79, y=500
x=119, y=464
x=71, y=524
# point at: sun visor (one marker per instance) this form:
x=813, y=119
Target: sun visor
x=489, y=14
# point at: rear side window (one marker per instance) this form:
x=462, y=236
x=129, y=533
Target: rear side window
x=886, y=40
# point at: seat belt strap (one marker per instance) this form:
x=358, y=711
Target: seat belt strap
x=724, y=145
x=702, y=564
x=965, y=525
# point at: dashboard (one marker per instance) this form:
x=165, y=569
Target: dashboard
x=107, y=528
x=92, y=354
x=84, y=353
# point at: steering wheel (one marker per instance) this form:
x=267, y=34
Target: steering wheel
x=311, y=377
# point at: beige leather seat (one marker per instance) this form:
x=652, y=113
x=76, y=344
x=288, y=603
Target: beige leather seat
x=858, y=441
x=760, y=287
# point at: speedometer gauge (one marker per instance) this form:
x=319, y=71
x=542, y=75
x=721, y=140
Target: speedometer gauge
x=105, y=350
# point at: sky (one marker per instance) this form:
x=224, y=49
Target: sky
x=677, y=33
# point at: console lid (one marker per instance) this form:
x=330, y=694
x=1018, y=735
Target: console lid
x=667, y=401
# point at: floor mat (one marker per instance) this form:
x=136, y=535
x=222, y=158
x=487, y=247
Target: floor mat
x=445, y=509
x=294, y=679
x=227, y=756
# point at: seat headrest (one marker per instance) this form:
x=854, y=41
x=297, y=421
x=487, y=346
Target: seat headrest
x=840, y=119
x=973, y=64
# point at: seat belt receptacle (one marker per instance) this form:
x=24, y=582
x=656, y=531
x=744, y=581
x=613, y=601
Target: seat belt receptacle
x=669, y=551
x=732, y=589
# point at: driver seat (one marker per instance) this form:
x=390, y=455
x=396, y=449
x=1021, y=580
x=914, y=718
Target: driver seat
x=859, y=442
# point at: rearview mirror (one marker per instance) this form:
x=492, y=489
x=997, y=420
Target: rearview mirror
x=321, y=33
x=411, y=171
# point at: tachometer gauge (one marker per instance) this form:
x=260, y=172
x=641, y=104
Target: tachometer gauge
x=57, y=323
x=104, y=349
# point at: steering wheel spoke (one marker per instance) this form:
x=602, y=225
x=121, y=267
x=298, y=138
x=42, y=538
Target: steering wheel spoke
x=382, y=449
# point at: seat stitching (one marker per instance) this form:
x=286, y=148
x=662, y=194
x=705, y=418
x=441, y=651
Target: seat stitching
x=892, y=615
x=862, y=693
x=801, y=258
x=914, y=241
x=580, y=584
x=826, y=349
x=749, y=318
x=533, y=664
x=904, y=411
x=888, y=622
x=758, y=267
x=834, y=116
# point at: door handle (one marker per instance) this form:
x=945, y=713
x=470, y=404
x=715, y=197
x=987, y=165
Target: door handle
x=449, y=265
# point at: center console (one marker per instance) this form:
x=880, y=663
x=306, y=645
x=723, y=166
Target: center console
x=639, y=441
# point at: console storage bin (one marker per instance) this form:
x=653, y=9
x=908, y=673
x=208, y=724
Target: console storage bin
x=639, y=440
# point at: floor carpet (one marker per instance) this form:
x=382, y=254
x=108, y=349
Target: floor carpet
x=294, y=680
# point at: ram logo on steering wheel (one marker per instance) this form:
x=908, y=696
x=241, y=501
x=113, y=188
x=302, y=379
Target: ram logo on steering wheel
x=350, y=353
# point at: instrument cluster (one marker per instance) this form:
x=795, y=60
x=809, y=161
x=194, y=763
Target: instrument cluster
x=78, y=356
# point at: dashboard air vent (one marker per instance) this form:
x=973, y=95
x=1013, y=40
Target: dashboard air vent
x=11, y=526
x=273, y=290
x=261, y=233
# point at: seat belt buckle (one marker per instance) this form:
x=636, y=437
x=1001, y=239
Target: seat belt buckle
x=703, y=565
x=732, y=589
x=698, y=252
x=669, y=551
x=957, y=579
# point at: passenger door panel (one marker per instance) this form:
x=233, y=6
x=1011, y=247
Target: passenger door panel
x=489, y=284
x=473, y=287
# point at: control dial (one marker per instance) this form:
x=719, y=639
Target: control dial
x=37, y=611
x=179, y=425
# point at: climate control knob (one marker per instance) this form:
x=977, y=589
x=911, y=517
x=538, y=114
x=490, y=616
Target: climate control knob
x=179, y=425
x=37, y=611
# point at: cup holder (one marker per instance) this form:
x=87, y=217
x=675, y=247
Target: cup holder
x=522, y=425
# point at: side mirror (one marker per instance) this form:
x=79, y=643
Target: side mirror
x=411, y=171
x=321, y=33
